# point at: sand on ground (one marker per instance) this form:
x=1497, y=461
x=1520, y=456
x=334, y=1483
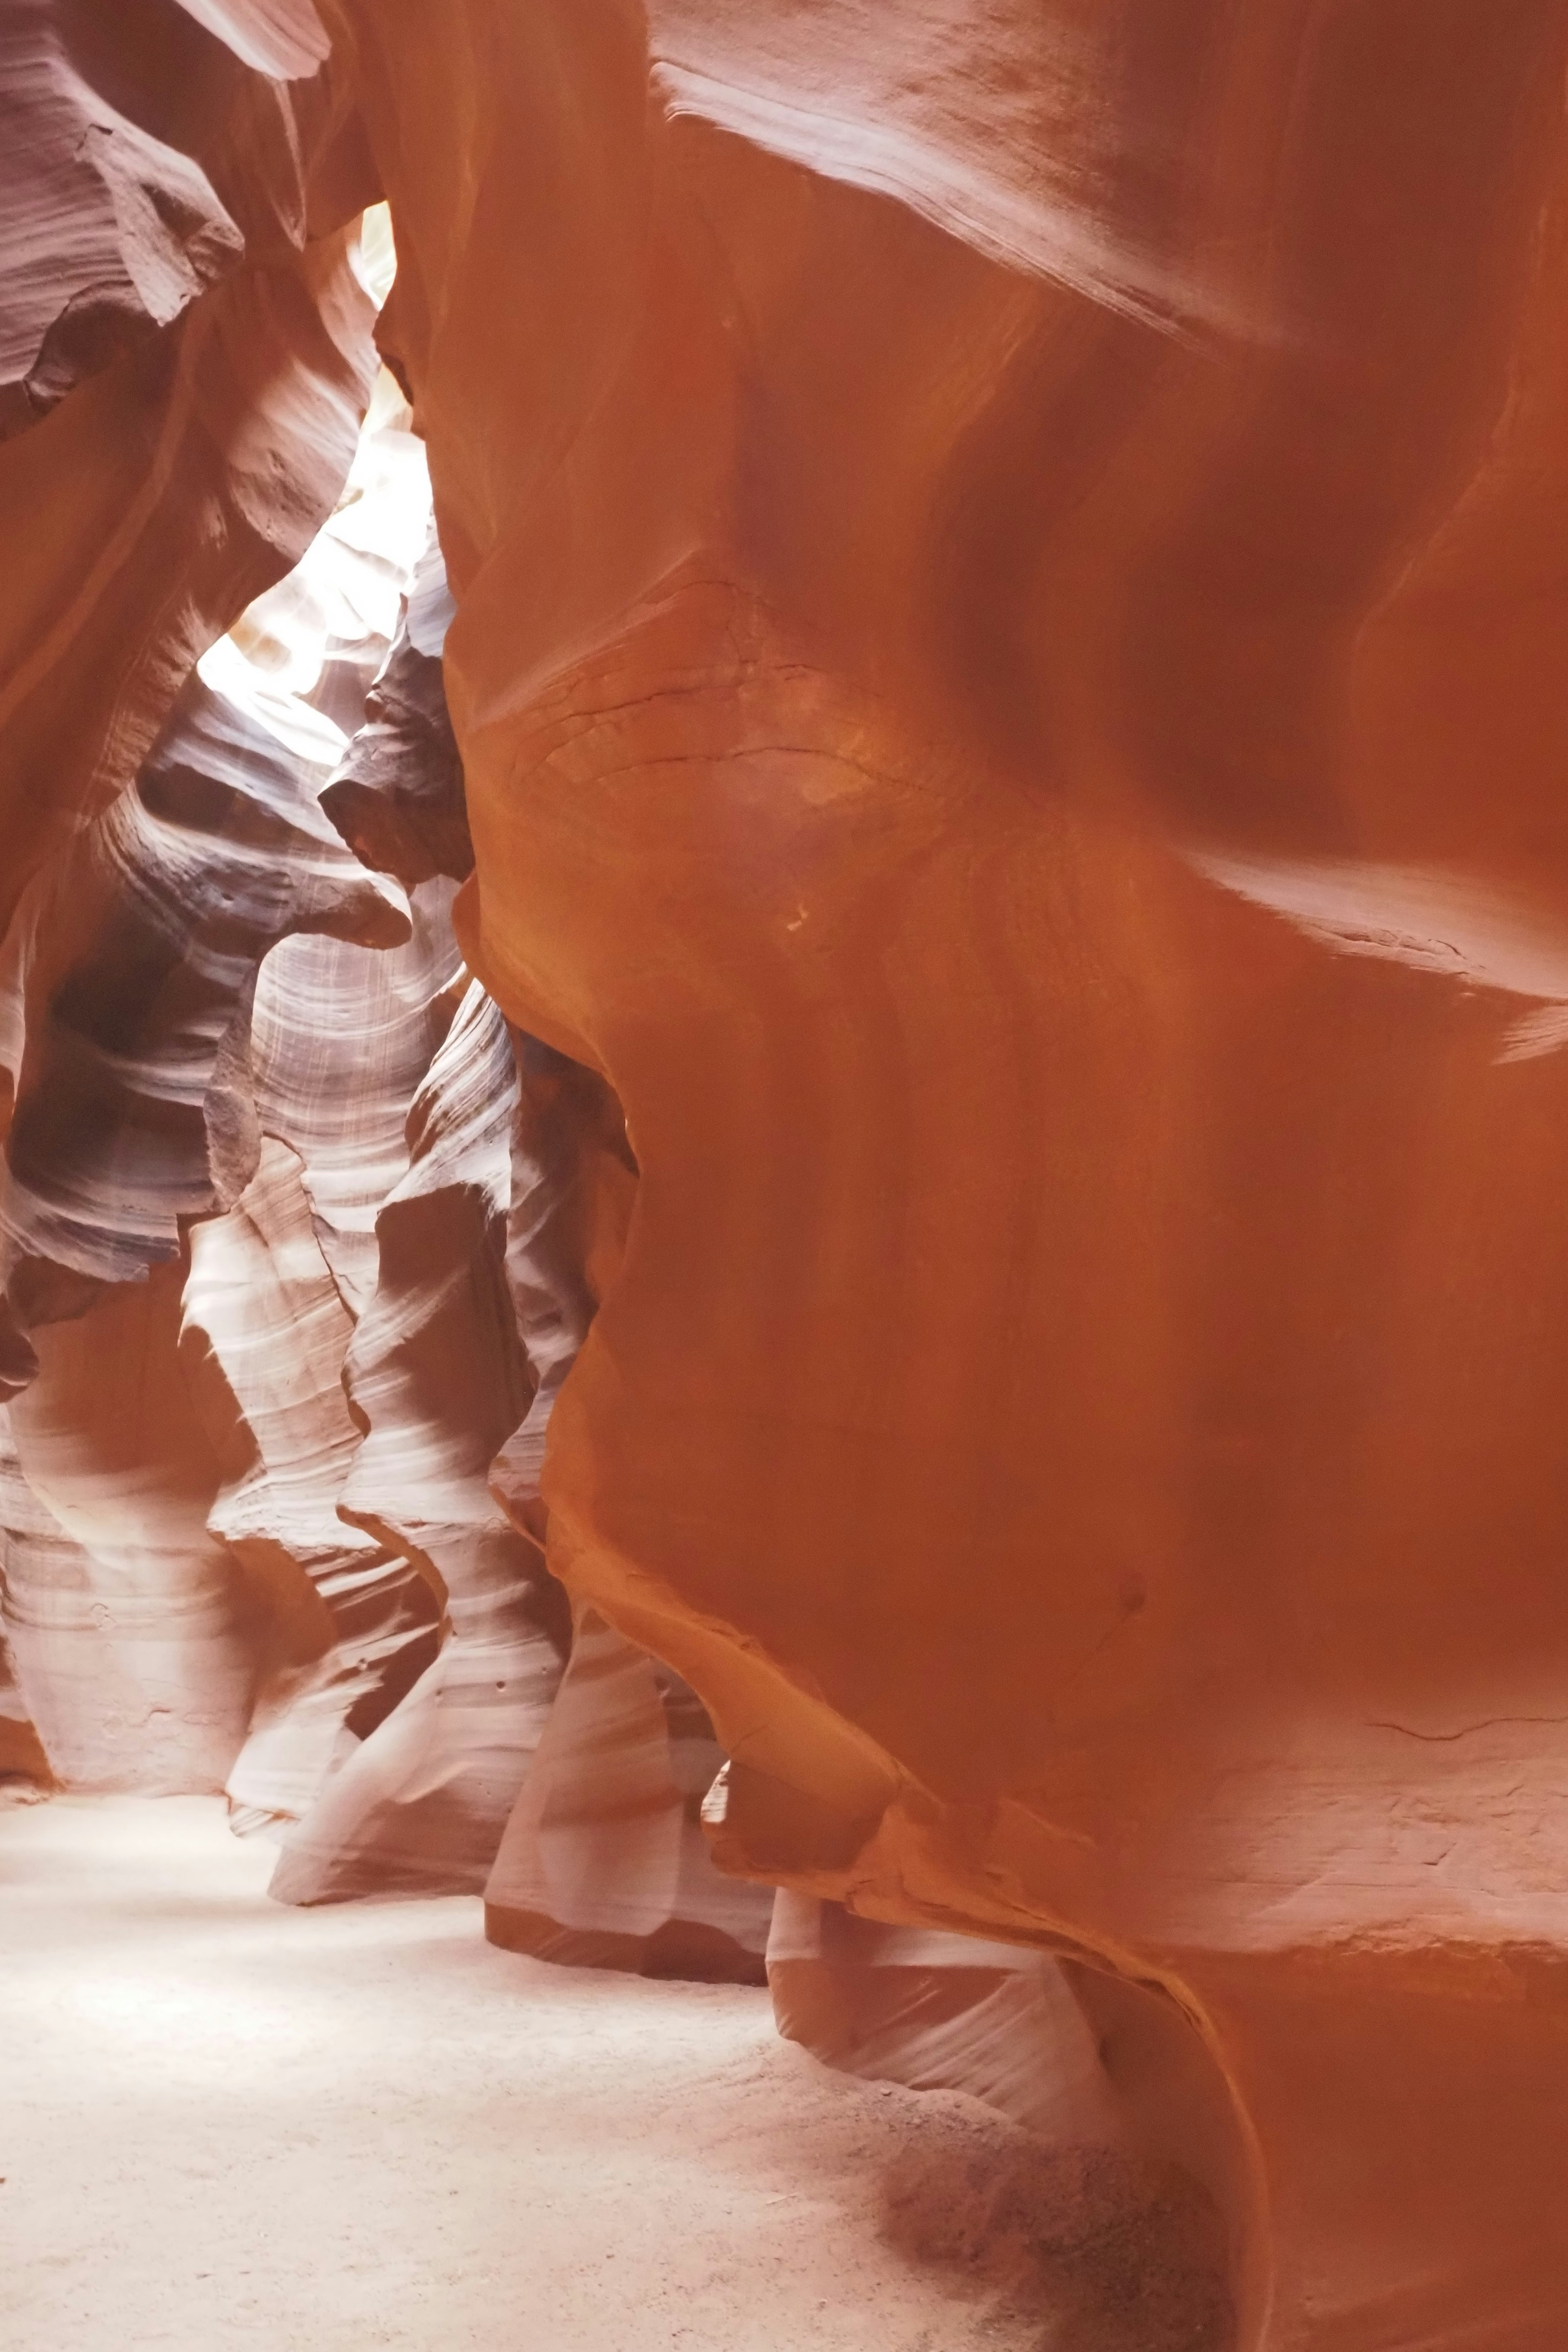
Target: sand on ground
x=225, y=2125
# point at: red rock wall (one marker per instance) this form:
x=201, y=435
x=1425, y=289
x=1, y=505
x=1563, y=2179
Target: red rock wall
x=1005, y=664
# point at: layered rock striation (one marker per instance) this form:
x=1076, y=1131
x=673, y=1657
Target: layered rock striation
x=298, y=1236
x=994, y=1084
x=1005, y=675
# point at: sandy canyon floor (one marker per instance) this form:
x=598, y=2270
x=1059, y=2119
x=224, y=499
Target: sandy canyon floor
x=225, y=2124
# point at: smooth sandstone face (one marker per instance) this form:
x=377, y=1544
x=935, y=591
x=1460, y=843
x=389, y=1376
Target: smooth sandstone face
x=1013, y=784
x=1006, y=666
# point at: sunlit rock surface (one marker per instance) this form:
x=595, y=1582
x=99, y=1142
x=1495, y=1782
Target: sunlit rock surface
x=184, y=359
x=265, y=1335
x=604, y=1863
x=1006, y=666
x=142, y=1635
x=941, y=2012
x=299, y=1236
x=436, y=1378
x=148, y=155
x=1006, y=676
x=398, y=796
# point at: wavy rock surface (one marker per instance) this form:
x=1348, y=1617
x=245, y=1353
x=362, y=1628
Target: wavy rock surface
x=141, y=964
x=184, y=336
x=941, y=2012
x=142, y=1635
x=604, y=1863
x=398, y=795
x=437, y=1379
x=35, y=1552
x=245, y=1065
x=123, y=1611
x=1006, y=668
x=265, y=1334
x=143, y=161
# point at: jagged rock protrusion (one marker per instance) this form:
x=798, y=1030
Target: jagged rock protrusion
x=398, y=796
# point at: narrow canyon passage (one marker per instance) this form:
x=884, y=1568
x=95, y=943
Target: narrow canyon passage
x=783, y=1302
x=233, y=2125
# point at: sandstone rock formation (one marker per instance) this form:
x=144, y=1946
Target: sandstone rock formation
x=604, y=1863
x=1007, y=680
x=180, y=198
x=138, y=1105
x=298, y=1236
x=1003, y=666
x=398, y=795
x=941, y=2012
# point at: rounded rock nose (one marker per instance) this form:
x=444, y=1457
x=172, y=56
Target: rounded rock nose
x=377, y=916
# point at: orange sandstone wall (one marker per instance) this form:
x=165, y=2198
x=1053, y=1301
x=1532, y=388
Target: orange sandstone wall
x=1007, y=667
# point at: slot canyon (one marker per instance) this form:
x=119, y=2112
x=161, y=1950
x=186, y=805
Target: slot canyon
x=783, y=1321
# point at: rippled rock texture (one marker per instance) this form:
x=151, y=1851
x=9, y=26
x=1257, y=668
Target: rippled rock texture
x=1006, y=674
x=1006, y=666
x=300, y=1237
x=296, y=1235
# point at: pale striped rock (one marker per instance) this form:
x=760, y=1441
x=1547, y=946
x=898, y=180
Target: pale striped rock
x=437, y=1379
